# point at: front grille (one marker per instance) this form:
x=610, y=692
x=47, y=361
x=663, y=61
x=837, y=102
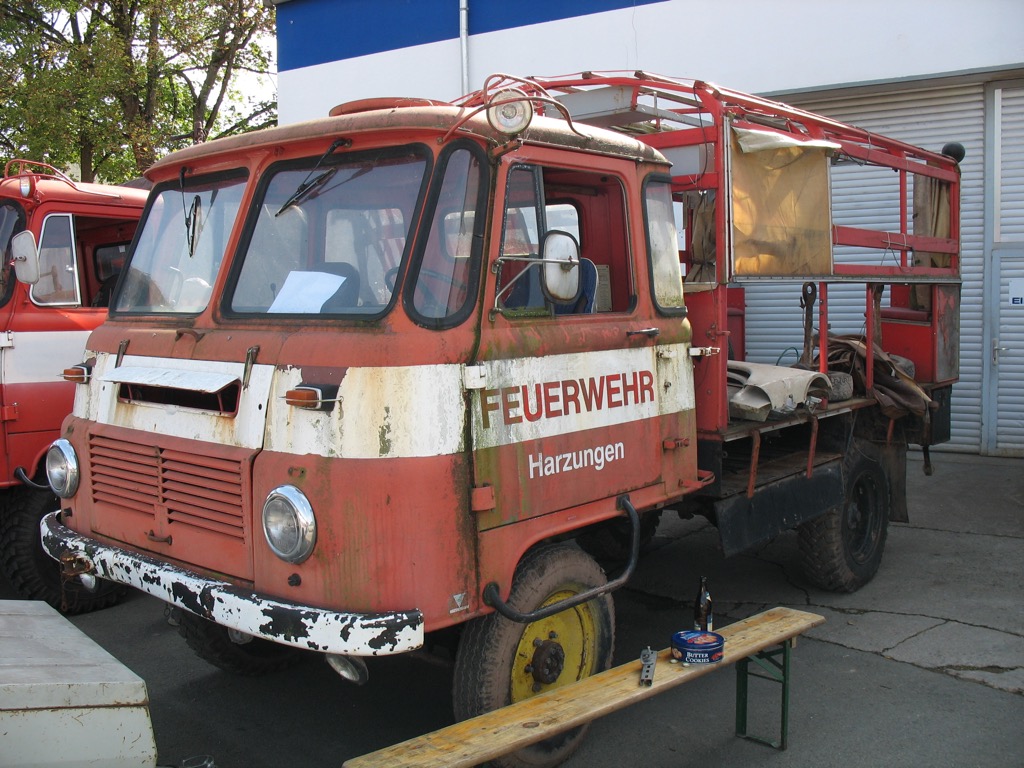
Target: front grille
x=197, y=491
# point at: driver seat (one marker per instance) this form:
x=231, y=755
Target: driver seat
x=586, y=303
x=346, y=298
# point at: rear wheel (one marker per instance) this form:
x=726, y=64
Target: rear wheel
x=32, y=572
x=235, y=652
x=842, y=549
x=500, y=662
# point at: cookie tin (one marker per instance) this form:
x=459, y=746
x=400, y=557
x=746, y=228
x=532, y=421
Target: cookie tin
x=697, y=647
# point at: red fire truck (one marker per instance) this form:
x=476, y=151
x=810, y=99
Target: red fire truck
x=83, y=232
x=405, y=368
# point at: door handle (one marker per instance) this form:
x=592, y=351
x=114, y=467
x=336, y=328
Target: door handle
x=996, y=349
x=650, y=332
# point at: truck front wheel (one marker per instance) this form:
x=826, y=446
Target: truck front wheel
x=842, y=550
x=500, y=662
x=241, y=655
x=32, y=572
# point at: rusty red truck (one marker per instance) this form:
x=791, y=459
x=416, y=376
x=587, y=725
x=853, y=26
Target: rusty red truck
x=83, y=232
x=419, y=366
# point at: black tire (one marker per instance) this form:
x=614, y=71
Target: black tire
x=494, y=665
x=254, y=657
x=842, y=550
x=611, y=540
x=32, y=572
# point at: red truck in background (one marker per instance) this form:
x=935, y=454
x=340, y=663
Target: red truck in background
x=412, y=368
x=83, y=232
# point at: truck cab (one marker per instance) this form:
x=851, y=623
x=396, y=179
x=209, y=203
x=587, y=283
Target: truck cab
x=79, y=236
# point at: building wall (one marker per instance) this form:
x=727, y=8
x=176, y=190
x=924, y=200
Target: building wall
x=330, y=51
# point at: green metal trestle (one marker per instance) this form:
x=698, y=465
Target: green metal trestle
x=771, y=664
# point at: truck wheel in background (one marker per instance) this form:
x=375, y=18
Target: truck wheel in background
x=32, y=572
x=842, y=549
x=611, y=540
x=250, y=656
x=500, y=662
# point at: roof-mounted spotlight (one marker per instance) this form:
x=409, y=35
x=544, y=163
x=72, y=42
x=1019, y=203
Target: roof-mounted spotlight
x=510, y=111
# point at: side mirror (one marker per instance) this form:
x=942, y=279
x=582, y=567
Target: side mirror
x=26, y=257
x=560, y=274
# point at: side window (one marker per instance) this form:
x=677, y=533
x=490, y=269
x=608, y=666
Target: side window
x=446, y=268
x=58, y=268
x=108, y=261
x=662, y=246
x=12, y=221
x=519, y=275
x=565, y=218
x=589, y=206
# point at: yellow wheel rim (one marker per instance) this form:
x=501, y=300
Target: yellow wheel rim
x=555, y=651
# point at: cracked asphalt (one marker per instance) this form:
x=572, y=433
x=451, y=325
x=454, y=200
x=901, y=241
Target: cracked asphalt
x=924, y=666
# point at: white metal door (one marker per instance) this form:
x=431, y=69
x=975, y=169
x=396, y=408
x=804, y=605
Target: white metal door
x=1003, y=432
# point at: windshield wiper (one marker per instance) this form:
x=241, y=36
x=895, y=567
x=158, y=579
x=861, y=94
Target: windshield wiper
x=193, y=224
x=191, y=215
x=305, y=189
x=309, y=183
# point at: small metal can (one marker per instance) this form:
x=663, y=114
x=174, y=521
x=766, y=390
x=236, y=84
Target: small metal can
x=697, y=647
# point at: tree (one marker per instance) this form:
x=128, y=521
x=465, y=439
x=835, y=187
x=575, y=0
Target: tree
x=112, y=86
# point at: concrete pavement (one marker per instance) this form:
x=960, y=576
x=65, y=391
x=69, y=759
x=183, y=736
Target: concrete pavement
x=922, y=667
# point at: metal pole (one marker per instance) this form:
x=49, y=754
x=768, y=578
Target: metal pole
x=464, y=42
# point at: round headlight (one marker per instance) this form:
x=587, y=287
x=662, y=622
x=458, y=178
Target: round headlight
x=289, y=524
x=62, y=468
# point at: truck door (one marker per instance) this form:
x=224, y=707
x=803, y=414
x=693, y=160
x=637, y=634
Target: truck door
x=570, y=400
x=48, y=333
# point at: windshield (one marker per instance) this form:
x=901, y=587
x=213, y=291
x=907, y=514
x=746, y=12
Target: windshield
x=181, y=246
x=330, y=239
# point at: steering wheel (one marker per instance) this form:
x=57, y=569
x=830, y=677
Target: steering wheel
x=390, y=278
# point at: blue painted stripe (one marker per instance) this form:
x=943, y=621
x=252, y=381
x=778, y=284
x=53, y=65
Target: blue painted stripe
x=313, y=32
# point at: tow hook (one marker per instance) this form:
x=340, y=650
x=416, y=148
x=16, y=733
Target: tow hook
x=73, y=567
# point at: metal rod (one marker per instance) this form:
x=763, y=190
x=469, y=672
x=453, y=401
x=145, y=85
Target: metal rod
x=492, y=596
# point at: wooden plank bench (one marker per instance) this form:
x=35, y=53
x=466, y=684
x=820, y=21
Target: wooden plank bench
x=762, y=639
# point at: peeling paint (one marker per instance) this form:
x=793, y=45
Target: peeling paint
x=393, y=416
x=385, y=433
x=233, y=607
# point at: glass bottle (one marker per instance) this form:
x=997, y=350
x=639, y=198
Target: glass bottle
x=703, y=617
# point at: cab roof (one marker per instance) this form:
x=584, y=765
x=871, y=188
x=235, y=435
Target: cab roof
x=50, y=188
x=411, y=116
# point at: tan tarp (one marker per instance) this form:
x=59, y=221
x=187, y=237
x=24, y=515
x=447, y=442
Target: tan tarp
x=782, y=223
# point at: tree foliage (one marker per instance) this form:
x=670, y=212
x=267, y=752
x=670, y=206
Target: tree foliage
x=112, y=86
